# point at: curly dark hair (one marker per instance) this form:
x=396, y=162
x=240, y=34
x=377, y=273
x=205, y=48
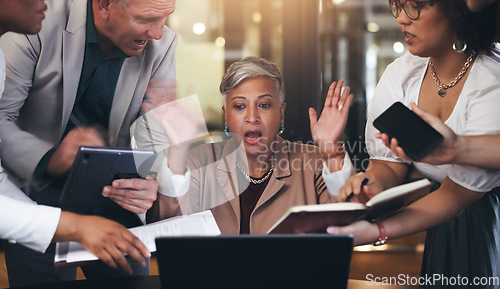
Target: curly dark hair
x=476, y=29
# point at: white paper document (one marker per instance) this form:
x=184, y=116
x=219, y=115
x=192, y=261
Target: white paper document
x=199, y=224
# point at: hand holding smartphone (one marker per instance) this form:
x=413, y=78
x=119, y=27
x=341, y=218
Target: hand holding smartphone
x=414, y=135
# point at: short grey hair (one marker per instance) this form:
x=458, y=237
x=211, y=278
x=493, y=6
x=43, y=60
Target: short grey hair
x=251, y=67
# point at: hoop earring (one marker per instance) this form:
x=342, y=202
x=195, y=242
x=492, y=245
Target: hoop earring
x=226, y=131
x=459, y=46
x=282, y=128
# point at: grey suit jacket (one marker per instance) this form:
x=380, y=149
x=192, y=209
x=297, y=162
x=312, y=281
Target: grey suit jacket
x=43, y=73
x=297, y=180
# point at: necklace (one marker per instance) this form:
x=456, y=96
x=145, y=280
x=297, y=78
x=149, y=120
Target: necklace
x=254, y=181
x=443, y=88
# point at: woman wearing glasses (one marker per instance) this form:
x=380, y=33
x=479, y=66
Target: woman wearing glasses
x=452, y=70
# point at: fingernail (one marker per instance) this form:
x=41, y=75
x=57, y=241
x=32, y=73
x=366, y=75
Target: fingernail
x=105, y=191
x=330, y=230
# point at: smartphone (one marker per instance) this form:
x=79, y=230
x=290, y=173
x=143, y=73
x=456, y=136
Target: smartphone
x=414, y=135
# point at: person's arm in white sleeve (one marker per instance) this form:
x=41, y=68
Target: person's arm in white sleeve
x=334, y=181
x=23, y=221
x=36, y=226
x=170, y=184
x=27, y=223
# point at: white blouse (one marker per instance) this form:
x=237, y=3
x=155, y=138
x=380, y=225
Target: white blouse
x=476, y=113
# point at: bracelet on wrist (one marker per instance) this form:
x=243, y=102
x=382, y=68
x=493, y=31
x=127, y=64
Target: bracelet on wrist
x=333, y=153
x=382, y=237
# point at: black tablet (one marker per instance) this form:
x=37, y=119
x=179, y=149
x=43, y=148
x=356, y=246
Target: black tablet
x=414, y=135
x=96, y=167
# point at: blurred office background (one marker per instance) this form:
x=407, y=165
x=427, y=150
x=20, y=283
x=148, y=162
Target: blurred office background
x=314, y=42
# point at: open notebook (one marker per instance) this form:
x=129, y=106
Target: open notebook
x=316, y=218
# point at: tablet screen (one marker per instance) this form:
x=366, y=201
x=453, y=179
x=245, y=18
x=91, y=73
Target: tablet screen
x=96, y=167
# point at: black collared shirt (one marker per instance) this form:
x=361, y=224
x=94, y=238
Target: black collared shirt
x=96, y=89
x=95, y=93
x=98, y=81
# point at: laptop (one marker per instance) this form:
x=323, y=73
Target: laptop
x=255, y=261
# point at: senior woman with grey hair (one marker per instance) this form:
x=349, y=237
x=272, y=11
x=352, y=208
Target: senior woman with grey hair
x=251, y=179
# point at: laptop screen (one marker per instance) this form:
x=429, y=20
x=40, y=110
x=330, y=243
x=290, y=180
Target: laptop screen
x=255, y=261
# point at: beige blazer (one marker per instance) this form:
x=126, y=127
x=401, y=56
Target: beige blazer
x=296, y=180
x=43, y=73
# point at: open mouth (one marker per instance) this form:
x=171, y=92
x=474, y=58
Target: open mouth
x=253, y=136
x=140, y=42
x=408, y=37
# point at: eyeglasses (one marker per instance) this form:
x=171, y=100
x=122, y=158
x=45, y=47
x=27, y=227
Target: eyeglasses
x=412, y=8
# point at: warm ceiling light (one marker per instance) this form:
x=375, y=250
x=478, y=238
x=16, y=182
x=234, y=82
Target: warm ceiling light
x=337, y=2
x=199, y=28
x=257, y=17
x=373, y=27
x=398, y=47
x=220, y=42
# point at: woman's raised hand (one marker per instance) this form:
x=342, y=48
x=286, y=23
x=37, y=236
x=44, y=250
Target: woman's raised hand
x=163, y=105
x=327, y=130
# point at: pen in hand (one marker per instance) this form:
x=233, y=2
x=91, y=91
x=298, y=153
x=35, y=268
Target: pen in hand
x=351, y=195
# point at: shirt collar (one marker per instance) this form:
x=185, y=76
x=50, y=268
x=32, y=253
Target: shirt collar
x=91, y=30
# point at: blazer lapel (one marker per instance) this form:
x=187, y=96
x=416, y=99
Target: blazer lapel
x=73, y=53
x=126, y=88
x=282, y=170
x=226, y=174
